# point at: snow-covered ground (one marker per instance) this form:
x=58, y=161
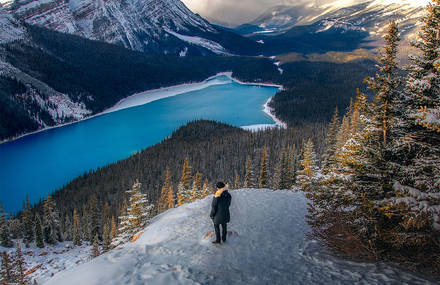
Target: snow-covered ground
x=270, y=247
x=161, y=93
x=43, y=263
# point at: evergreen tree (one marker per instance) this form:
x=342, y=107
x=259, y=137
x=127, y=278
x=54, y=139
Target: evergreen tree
x=237, y=181
x=114, y=229
x=249, y=175
x=76, y=229
x=94, y=218
x=170, y=202
x=138, y=213
x=197, y=187
x=329, y=155
x=28, y=225
x=307, y=177
x=95, y=250
x=162, y=204
x=7, y=272
x=264, y=168
x=51, y=222
x=106, y=238
x=386, y=83
x=20, y=266
x=38, y=232
x=184, y=194
x=68, y=229
x=85, y=223
x=206, y=188
x=5, y=237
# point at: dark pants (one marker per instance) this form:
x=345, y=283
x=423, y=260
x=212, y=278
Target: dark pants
x=217, y=232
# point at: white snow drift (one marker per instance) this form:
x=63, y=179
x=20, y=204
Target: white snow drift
x=271, y=248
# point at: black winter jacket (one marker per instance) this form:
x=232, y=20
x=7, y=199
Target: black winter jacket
x=220, y=208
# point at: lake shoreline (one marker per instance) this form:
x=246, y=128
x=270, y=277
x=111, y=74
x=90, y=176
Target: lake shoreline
x=170, y=91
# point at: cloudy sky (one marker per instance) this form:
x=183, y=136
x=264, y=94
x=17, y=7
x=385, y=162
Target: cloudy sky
x=233, y=11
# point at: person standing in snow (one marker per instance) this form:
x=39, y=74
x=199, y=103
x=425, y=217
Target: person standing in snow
x=220, y=211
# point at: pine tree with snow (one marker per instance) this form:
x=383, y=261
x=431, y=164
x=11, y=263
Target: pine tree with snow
x=20, y=266
x=138, y=213
x=386, y=83
x=264, y=168
x=415, y=151
x=51, y=222
x=38, y=232
x=206, y=190
x=237, y=181
x=5, y=236
x=249, y=175
x=28, y=224
x=94, y=218
x=106, y=238
x=85, y=224
x=197, y=187
x=114, y=230
x=162, y=204
x=307, y=176
x=76, y=229
x=184, y=193
x=6, y=271
x=329, y=155
x=170, y=201
x=95, y=249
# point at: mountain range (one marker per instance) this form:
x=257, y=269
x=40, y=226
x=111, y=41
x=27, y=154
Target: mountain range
x=158, y=26
x=331, y=26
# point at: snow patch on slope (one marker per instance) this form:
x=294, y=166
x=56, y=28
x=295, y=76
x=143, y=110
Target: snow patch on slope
x=208, y=44
x=270, y=247
x=45, y=262
x=10, y=29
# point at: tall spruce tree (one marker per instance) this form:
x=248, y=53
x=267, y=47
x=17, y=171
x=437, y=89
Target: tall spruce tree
x=5, y=236
x=20, y=266
x=38, y=232
x=307, y=176
x=184, y=194
x=197, y=187
x=138, y=213
x=28, y=223
x=7, y=271
x=264, y=168
x=386, y=83
x=76, y=229
x=249, y=175
x=51, y=222
x=94, y=218
x=331, y=140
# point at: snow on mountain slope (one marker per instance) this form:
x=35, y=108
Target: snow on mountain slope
x=270, y=247
x=372, y=15
x=210, y=45
x=10, y=29
x=140, y=25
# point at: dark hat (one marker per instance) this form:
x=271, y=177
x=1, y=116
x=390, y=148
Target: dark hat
x=220, y=185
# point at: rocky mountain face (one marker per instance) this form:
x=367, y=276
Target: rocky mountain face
x=159, y=26
x=368, y=19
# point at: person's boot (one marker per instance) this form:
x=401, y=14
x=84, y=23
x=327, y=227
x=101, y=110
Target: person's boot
x=216, y=242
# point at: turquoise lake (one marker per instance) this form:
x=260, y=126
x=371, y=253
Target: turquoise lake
x=43, y=162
